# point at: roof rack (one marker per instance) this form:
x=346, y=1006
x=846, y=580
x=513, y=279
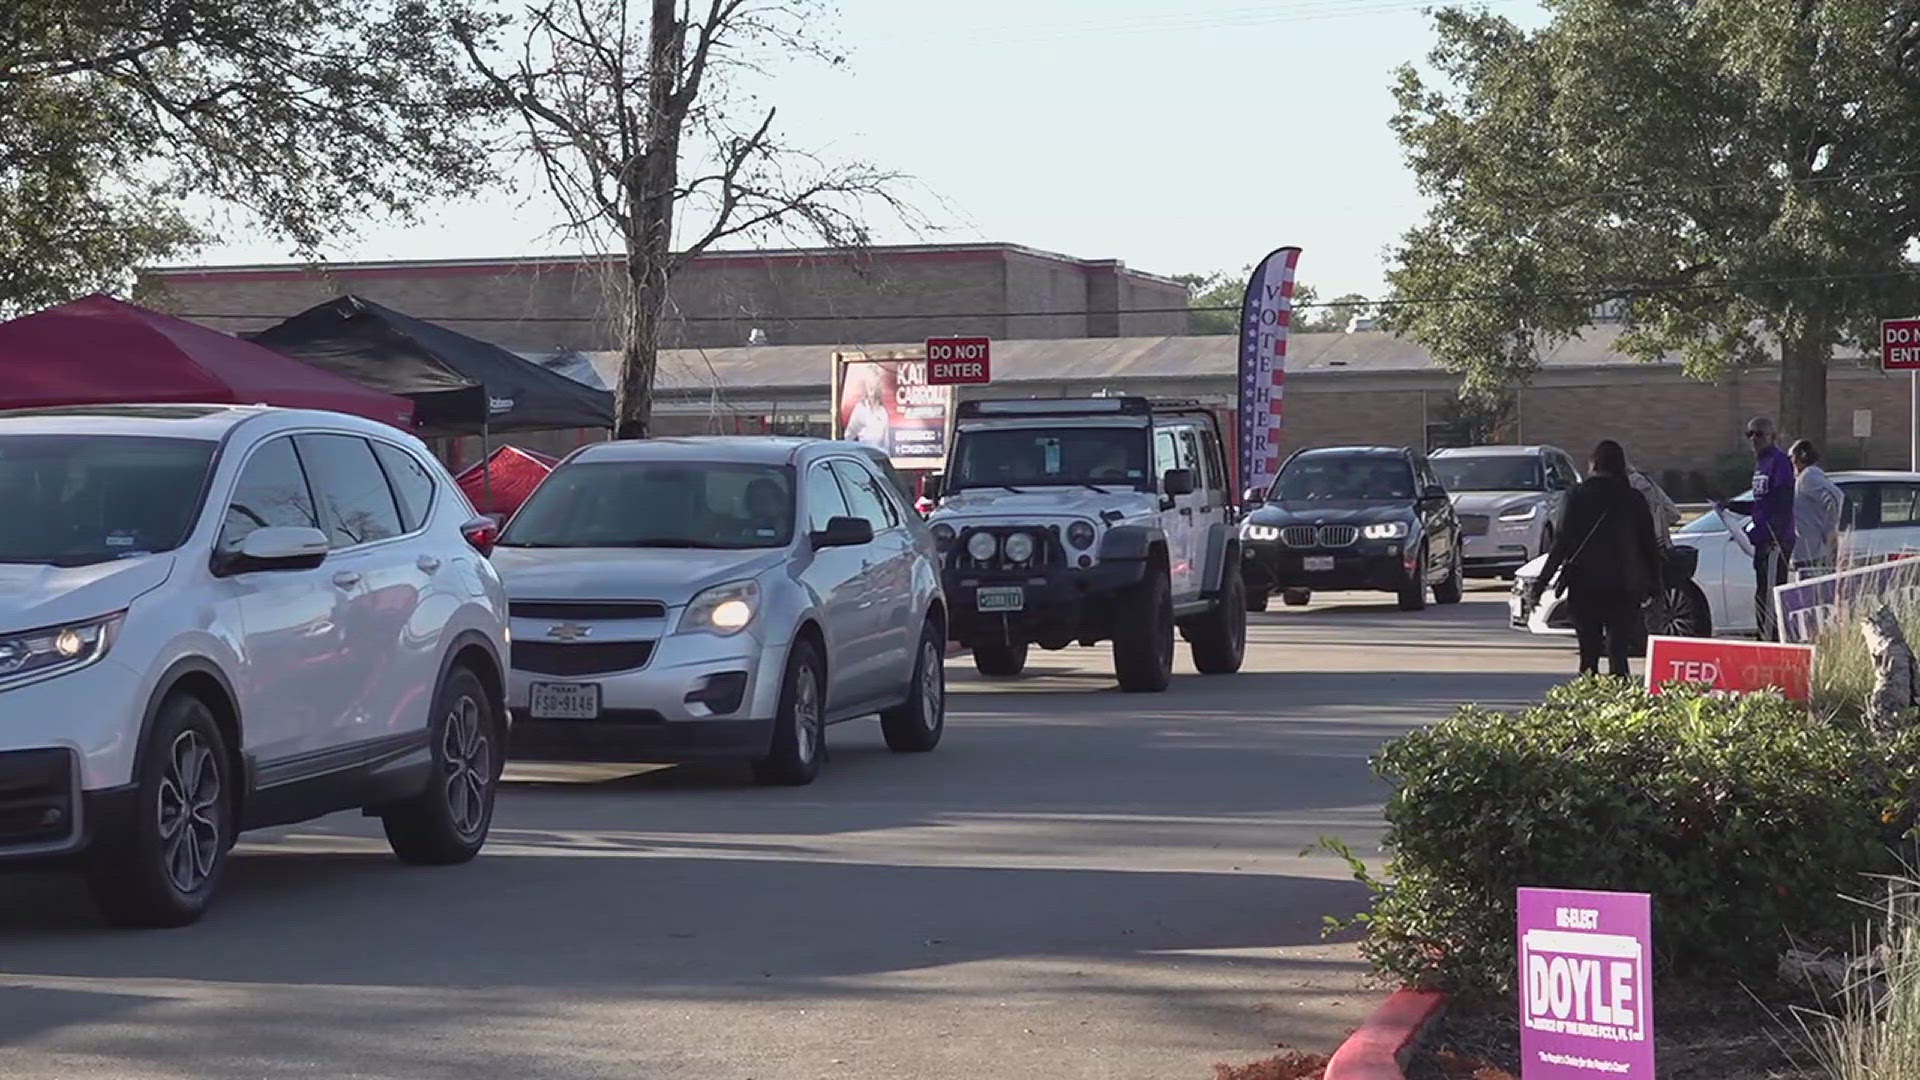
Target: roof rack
x=1098, y=406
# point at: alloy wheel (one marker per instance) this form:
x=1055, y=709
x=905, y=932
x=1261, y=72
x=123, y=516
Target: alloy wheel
x=806, y=715
x=191, y=804
x=466, y=764
x=933, y=685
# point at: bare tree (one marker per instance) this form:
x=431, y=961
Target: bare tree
x=633, y=142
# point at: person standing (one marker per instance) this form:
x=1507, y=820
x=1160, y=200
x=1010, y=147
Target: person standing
x=1607, y=559
x=1817, y=503
x=1665, y=514
x=1770, y=530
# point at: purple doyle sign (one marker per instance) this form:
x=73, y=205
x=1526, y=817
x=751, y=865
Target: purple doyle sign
x=1586, y=1007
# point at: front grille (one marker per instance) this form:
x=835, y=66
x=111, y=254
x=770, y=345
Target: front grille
x=1473, y=524
x=580, y=658
x=1326, y=536
x=587, y=609
x=36, y=798
x=1047, y=548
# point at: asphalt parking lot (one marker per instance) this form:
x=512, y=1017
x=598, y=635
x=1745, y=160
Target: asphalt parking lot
x=1078, y=883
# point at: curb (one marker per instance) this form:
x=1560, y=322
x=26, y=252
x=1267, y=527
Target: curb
x=1377, y=1049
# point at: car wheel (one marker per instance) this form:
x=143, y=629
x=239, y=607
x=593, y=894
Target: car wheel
x=166, y=868
x=916, y=726
x=447, y=823
x=1297, y=597
x=800, y=728
x=1413, y=597
x=1143, y=638
x=999, y=659
x=1219, y=637
x=1450, y=590
x=1679, y=611
x=1258, y=599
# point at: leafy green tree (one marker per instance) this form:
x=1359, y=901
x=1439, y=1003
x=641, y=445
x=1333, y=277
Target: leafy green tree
x=308, y=115
x=1745, y=173
x=1223, y=290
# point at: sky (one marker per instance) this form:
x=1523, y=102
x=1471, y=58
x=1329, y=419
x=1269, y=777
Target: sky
x=1180, y=138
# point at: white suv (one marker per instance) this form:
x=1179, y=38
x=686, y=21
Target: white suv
x=215, y=619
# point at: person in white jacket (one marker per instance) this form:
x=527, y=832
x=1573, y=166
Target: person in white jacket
x=1665, y=514
x=1817, y=504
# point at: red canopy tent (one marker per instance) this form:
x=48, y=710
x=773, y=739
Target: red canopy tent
x=515, y=473
x=101, y=351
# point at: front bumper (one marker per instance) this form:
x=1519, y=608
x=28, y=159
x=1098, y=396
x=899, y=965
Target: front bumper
x=45, y=815
x=1059, y=606
x=94, y=712
x=1381, y=566
x=1504, y=548
x=655, y=712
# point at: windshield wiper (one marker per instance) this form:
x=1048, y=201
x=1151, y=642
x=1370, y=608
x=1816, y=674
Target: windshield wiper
x=672, y=542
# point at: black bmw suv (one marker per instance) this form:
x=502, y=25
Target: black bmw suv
x=1352, y=518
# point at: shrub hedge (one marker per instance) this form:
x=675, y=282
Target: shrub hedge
x=1744, y=816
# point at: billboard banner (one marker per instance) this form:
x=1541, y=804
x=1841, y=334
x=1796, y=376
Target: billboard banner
x=886, y=402
x=1804, y=608
x=1265, y=318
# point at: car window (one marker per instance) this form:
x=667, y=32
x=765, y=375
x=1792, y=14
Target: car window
x=1489, y=472
x=658, y=504
x=272, y=491
x=1368, y=478
x=413, y=485
x=1190, y=450
x=1215, y=460
x=1171, y=451
x=864, y=495
x=1564, y=468
x=72, y=500
x=1899, y=506
x=1039, y=457
x=356, y=503
x=824, y=499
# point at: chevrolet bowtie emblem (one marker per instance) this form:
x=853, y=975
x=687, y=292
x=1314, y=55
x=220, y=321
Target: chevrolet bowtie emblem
x=569, y=631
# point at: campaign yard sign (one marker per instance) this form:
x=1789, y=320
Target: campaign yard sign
x=1586, y=973
x=1806, y=607
x=1738, y=666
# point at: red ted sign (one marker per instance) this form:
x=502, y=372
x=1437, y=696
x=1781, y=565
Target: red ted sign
x=955, y=361
x=1731, y=665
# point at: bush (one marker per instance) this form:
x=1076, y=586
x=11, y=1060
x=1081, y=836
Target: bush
x=1743, y=816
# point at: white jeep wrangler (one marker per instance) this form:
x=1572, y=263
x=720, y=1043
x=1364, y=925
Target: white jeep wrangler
x=1089, y=520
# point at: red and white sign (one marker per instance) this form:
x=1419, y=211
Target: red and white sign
x=957, y=361
x=1741, y=666
x=1900, y=344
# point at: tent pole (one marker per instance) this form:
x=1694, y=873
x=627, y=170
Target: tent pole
x=486, y=464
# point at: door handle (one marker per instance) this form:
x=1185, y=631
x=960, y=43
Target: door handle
x=346, y=579
x=428, y=564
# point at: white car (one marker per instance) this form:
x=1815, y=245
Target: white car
x=215, y=619
x=1508, y=498
x=721, y=597
x=1881, y=519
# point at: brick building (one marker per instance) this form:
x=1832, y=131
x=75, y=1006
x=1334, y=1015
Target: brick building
x=720, y=299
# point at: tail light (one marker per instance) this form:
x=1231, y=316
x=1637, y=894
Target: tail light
x=482, y=533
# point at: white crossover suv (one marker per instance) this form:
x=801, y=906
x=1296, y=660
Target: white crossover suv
x=721, y=597
x=215, y=619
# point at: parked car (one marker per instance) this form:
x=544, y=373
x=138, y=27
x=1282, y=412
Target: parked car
x=1353, y=517
x=215, y=619
x=1507, y=499
x=1089, y=520
x=724, y=596
x=1881, y=519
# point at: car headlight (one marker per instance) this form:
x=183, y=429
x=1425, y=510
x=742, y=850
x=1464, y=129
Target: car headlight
x=1019, y=547
x=1263, y=532
x=1385, y=530
x=1520, y=513
x=1080, y=534
x=56, y=649
x=981, y=546
x=723, y=609
x=943, y=534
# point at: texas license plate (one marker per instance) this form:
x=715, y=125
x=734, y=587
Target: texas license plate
x=565, y=701
x=1315, y=564
x=1000, y=598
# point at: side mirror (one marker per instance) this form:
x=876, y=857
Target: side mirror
x=1433, y=493
x=843, y=532
x=1254, y=496
x=1555, y=483
x=277, y=547
x=1177, y=482
x=933, y=486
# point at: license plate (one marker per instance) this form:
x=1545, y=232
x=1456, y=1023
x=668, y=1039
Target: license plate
x=1317, y=563
x=565, y=701
x=1000, y=598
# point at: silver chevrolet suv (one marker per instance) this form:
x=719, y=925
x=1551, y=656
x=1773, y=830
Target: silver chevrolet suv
x=1091, y=520
x=721, y=597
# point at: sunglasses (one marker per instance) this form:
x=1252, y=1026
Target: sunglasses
x=1756, y=434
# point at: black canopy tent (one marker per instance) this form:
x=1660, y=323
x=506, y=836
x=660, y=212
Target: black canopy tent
x=459, y=385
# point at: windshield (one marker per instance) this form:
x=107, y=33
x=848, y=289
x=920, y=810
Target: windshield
x=1490, y=472
x=72, y=500
x=1710, y=522
x=660, y=504
x=1037, y=457
x=1352, y=479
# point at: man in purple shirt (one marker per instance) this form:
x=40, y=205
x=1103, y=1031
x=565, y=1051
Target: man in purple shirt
x=1771, y=527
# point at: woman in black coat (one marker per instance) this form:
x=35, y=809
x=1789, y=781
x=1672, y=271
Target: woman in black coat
x=1607, y=559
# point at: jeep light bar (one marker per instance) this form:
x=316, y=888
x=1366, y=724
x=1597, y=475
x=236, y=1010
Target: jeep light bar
x=1055, y=407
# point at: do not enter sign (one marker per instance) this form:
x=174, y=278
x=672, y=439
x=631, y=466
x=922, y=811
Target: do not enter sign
x=1900, y=345
x=959, y=361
